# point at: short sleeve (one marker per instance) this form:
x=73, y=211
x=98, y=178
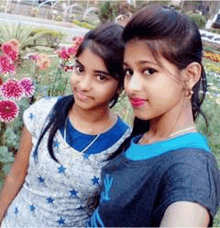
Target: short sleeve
x=194, y=179
x=30, y=117
x=34, y=117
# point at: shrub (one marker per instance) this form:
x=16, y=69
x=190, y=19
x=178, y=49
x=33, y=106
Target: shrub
x=83, y=24
x=199, y=20
x=106, y=12
x=51, y=38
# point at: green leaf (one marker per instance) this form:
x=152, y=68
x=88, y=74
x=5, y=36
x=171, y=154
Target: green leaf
x=60, y=87
x=3, y=150
x=42, y=48
x=6, y=168
x=5, y=156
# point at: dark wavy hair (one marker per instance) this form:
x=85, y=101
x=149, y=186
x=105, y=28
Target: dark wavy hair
x=174, y=36
x=104, y=41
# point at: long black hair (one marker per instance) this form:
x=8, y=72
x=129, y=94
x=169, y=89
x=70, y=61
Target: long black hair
x=177, y=38
x=104, y=41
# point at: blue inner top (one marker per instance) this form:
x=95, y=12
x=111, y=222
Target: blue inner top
x=79, y=140
x=189, y=140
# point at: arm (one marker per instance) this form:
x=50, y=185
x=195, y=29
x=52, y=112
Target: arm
x=185, y=214
x=16, y=176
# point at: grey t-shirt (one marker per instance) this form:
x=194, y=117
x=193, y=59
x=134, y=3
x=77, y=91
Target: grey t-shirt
x=137, y=192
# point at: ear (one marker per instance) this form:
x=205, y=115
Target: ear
x=192, y=74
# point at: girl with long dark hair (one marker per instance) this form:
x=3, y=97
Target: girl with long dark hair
x=166, y=176
x=55, y=180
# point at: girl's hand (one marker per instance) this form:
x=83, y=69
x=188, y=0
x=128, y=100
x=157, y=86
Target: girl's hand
x=185, y=214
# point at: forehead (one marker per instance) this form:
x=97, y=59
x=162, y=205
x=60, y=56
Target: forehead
x=137, y=51
x=91, y=61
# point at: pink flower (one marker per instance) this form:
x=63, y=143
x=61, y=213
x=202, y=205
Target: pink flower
x=72, y=51
x=15, y=44
x=28, y=86
x=78, y=40
x=9, y=110
x=8, y=50
x=6, y=65
x=63, y=54
x=12, y=89
x=43, y=61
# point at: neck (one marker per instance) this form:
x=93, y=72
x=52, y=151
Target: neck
x=177, y=121
x=92, y=121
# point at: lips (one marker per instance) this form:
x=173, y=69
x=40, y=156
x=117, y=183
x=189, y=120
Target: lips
x=137, y=102
x=81, y=96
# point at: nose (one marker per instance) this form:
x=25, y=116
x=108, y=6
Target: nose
x=85, y=83
x=133, y=83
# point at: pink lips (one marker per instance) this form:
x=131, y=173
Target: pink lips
x=81, y=96
x=137, y=102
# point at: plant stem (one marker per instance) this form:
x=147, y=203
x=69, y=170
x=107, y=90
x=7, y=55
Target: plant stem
x=2, y=131
x=56, y=77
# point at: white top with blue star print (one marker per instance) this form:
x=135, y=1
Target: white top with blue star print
x=57, y=194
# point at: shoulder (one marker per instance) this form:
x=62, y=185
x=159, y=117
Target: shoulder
x=191, y=175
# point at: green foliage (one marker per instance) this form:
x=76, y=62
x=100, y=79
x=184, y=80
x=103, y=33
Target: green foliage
x=21, y=33
x=49, y=38
x=208, y=49
x=6, y=158
x=83, y=24
x=199, y=20
x=106, y=12
x=216, y=30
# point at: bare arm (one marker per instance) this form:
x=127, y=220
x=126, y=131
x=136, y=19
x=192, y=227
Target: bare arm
x=185, y=214
x=16, y=176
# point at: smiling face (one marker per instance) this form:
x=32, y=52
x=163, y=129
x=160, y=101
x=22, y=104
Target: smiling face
x=154, y=91
x=92, y=86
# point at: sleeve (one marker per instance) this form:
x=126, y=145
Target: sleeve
x=195, y=179
x=30, y=117
x=35, y=116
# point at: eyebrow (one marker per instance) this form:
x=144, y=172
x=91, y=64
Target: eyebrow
x=77, y=61
x=95, y=71
x=141, y=62
x=102, y=72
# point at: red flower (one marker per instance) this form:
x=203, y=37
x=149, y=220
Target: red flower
x=9, y=110
x=8, y=50
x=28, y=86
x=12, y=89
x=6, y=65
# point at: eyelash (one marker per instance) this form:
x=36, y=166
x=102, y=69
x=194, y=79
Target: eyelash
x=150, y=71
x=102, y=76
x=77, y=67
x=129, y=72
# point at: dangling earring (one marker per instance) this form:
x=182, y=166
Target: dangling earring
x=189, y=92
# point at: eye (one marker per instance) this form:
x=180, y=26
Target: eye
x=149, y=71
x=79, y=69
x=101, y=77
x=128, y=72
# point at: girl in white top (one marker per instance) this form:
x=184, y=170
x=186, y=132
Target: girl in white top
x=55, y=179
